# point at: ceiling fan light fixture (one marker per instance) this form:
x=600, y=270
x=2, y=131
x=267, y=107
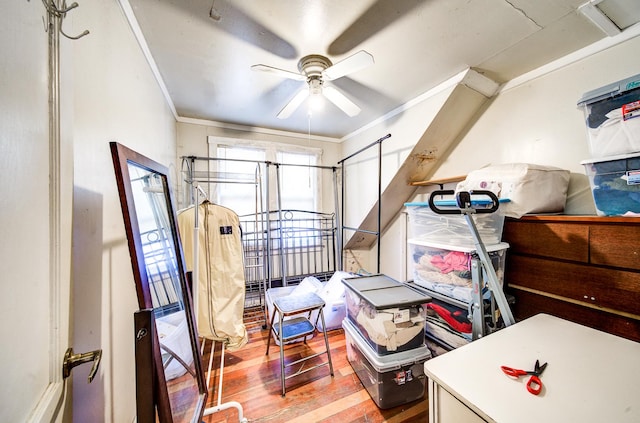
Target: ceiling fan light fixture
x=315, y=69
x=315, y=86
x=316, y=99
x=316, y=103
x=313, y=65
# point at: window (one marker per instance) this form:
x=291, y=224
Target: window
x=298, y=237
x=239, y=173
x=241, y=163
x=298, y=180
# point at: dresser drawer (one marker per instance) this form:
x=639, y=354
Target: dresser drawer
x=563, y=241
x=617, y=246
x=528, y=304
x=598, y=287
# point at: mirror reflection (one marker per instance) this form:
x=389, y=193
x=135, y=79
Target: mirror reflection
x=162, y=267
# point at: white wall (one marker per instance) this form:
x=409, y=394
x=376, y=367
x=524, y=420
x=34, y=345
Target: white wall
x=535, y=122
x=115, y=98
x=539, y=122
x=361, y=177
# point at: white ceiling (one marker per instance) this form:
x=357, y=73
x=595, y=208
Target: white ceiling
x=206, y=62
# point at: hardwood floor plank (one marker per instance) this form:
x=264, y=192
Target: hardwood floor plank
x=329, y=410
x=252, y=378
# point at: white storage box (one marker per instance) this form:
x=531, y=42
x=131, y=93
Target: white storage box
x=334, y=313
x=446, y=269
x=388, y=314
x=390, y=380
x=530, y=188
x=333, y=294
x=425, y=224
x=615, y=184
x=612, y=116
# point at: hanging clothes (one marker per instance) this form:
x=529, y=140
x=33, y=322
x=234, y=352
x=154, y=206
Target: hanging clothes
x=220, y=279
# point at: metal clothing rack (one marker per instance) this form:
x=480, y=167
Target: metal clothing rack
x=253, y=235
x=220, y=406
x=281, y=245
x=378, y=142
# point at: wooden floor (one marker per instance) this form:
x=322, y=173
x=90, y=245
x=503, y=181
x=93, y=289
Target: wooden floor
x=252, y=379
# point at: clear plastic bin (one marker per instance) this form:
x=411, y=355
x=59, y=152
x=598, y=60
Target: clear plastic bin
x=615, y=184
x=612, y=117
x=388, y=314
x=390, y=380
x=427, y=225
x=446, y=269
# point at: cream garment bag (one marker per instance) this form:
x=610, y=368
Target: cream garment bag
x=221, y=283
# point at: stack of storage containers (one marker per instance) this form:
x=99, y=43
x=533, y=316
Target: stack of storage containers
x=384, y=333
x=442, y=247
x=612, y=115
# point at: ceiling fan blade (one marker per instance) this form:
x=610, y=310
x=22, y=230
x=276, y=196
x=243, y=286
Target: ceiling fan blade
x=340, y=100
x=279, y=72
x=294, y=103
x=353, y=63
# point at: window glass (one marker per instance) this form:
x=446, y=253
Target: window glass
x=298, y=184
x=242, y=167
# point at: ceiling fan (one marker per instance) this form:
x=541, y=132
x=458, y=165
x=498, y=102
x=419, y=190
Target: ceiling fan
x=315, y=70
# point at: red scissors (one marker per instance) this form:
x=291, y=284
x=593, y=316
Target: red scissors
x=534, y=385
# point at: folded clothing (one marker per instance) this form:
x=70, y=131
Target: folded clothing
x=454, y=316
x=453, y=260
x=391, y=330
x=442, y=333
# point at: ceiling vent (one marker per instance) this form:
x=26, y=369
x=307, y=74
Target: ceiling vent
x=612, y=16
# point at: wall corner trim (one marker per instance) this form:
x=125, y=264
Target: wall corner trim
x=142, y=42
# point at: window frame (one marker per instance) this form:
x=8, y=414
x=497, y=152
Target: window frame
x=271, y=149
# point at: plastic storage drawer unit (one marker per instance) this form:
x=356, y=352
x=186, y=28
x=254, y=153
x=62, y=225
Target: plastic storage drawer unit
x=390, y=380
x=388, y=313
x=446, y=269
x=615, y=184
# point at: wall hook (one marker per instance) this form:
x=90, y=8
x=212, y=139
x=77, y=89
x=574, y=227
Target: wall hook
x=58, y=11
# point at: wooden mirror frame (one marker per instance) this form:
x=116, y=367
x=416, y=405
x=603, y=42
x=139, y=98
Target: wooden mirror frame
x=124, y=157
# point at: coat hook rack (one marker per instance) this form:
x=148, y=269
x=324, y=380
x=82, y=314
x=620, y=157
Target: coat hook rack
x=57, y=10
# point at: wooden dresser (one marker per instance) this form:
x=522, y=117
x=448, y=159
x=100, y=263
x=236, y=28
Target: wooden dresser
x=583, y=269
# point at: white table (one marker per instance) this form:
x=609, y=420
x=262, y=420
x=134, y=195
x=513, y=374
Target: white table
x=592, y=376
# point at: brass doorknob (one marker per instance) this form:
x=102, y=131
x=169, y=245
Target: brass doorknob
x=72, y=360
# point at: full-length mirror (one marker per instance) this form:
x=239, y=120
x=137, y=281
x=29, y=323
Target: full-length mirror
x=161, y=284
